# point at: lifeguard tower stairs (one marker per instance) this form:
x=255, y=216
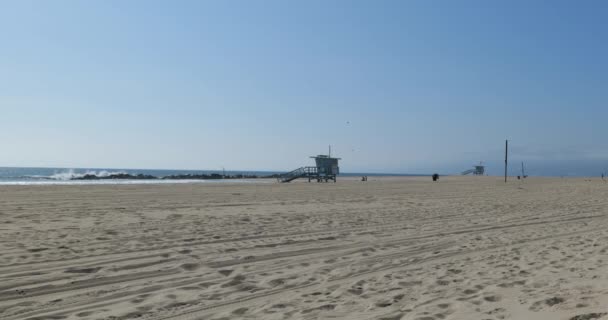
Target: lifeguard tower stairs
x=477, y=170
x=326, y=169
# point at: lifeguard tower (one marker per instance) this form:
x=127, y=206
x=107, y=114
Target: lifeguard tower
x=478, y=170
x=326, y=169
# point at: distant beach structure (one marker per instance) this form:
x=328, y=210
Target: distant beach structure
x=326, y=169
x=477, y=170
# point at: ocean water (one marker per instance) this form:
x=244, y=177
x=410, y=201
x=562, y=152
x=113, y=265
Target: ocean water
x=42, y=176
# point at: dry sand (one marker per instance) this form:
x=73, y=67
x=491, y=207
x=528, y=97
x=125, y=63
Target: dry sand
x=391, y=248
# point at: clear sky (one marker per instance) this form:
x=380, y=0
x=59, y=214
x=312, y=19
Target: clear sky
x=393, y=86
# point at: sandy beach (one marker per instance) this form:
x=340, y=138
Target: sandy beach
x=388, y=248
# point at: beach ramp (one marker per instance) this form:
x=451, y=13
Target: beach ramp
x=298, y=173
x=477, y=170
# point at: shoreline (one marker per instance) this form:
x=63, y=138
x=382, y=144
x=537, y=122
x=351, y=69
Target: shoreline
x=110, y=182
x=265, y=181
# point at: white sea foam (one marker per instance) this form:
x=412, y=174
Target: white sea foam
x=37, y=176
x=71, y=174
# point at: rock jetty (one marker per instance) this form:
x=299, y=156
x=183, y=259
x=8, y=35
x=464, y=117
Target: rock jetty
x=127, y=176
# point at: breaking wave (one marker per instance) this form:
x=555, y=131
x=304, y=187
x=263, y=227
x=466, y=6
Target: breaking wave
x=46, y=176
x=72, y=175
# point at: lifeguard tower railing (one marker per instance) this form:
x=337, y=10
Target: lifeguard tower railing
x=303, y=172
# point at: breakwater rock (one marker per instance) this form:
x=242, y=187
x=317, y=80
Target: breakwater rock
x=127, y=176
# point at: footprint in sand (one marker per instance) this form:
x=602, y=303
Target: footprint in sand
x=82, y=270
x=276, y=282
x=240, y=311
x=190, y=266
x=539, y=305
x=325, y=307
x=140, y=298
x=398, y=297
x=588, y=316
x=225, y=272
x=469, y=291
x=84, y=314
x=383, y=304
x=492, y=298
x=236, y=280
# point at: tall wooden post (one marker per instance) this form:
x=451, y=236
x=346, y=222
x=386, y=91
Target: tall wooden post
x=506, y=157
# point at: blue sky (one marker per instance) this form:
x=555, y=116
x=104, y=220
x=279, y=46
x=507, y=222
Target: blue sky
x=393, y=86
